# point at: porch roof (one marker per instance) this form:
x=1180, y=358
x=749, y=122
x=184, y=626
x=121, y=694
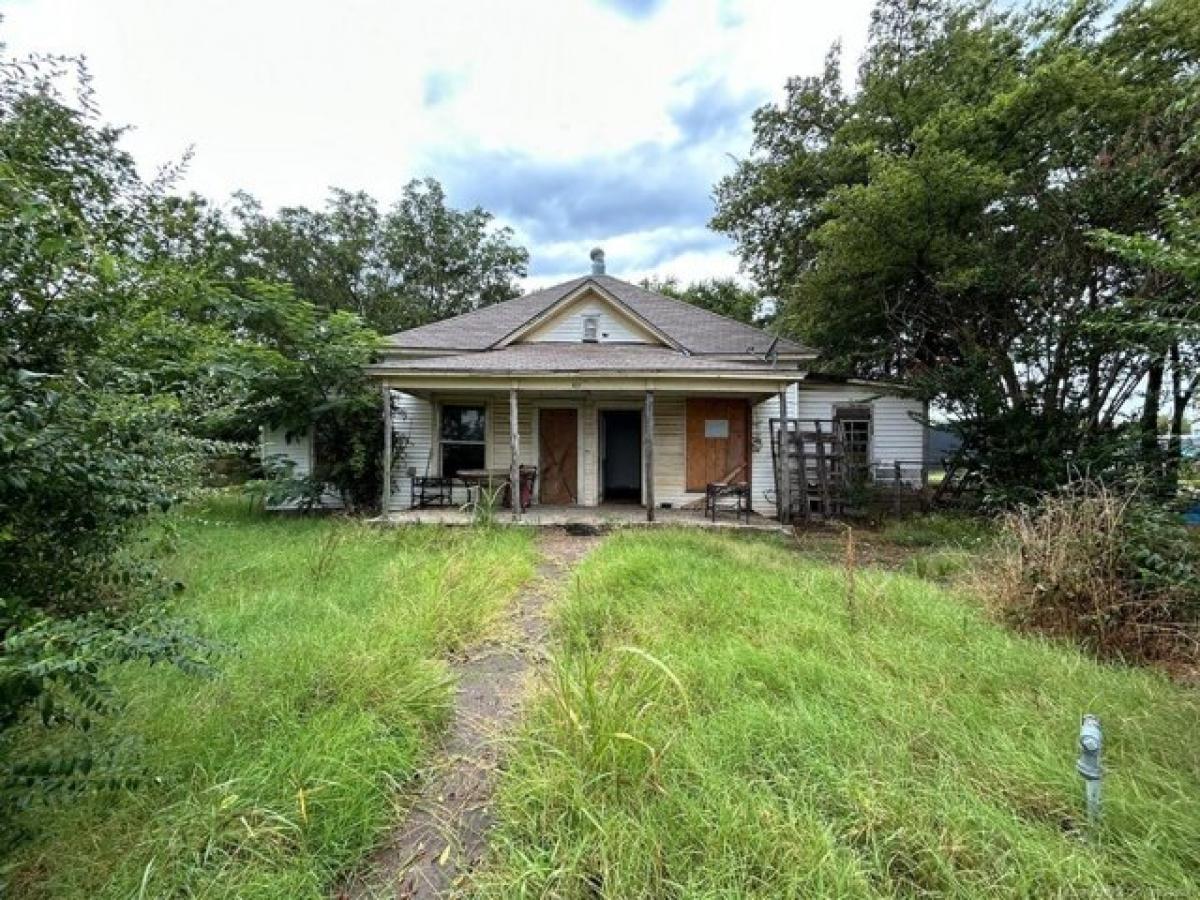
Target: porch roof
x=578, y=367
x=569, y=358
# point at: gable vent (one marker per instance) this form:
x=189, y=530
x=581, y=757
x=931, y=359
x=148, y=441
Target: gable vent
x=591, y=327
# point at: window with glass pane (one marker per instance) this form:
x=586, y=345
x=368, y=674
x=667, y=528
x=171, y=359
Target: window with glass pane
x=855, y=425
x=463, y=438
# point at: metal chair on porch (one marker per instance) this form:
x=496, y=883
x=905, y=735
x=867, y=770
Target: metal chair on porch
x=732, y=492
x=430, y=490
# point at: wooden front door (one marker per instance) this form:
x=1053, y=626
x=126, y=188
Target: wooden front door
x=558, y=456
x=718, y=437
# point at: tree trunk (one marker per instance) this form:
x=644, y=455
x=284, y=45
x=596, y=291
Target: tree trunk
x=1150, y=411
x=1181, y=397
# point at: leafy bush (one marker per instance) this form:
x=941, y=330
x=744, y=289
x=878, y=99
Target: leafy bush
x=1110, y=568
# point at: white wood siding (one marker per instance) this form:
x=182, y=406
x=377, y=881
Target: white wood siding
x=762, y=470
x=274, y=444
x=567, y=325
x=412, y=429
x=895, y=433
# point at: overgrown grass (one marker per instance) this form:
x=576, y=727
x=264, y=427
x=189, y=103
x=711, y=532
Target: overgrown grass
x=275, y=776
x=942, y=531
x=771, y=736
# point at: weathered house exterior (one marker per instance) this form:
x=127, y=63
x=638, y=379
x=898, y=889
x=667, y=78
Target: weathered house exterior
x=620, y=395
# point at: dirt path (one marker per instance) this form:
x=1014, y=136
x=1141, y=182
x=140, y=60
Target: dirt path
x=445, y=833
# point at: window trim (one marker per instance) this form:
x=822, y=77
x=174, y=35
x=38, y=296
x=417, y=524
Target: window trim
x=859, y=412
x=591, y=329
x=442, y=442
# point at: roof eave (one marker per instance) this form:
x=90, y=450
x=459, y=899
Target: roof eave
x=725, y=374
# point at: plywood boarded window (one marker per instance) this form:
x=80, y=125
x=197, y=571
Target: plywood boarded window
x=717, y=437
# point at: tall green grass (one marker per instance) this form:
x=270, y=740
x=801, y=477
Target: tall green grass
x=278, y=774
x=769, y=738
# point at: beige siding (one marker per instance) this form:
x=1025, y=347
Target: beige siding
x=499, y=451
x=567, y=325
x=590, y=453
x=670, y=460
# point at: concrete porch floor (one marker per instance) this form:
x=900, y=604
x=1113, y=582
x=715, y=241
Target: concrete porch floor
x=599, y=517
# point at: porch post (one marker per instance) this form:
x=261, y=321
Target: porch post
x=514, y=467
x=386, y=496
x=784, y=482
x=648, y=454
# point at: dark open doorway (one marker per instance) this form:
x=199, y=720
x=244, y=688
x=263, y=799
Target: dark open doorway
x=621, y=456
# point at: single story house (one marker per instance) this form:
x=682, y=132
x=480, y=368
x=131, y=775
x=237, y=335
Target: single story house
x=616, y=394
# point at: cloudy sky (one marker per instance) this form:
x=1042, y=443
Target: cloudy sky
x=577, y=122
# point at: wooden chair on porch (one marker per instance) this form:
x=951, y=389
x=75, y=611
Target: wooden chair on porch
x=731, y=492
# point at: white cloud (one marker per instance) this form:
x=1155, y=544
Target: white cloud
x=285, y=98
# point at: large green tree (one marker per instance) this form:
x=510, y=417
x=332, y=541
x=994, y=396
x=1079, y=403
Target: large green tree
x=724, y=296
x=935, y=223
x=417, y=262
x=129, y=355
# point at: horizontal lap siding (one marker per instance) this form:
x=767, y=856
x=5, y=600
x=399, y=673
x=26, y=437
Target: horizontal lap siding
x=275, y=447
x=897, y=429
x=670, y=464
x=499, y=444
x=412, y=429
x=589, y=494
x=896, y=434
x=567, y=327
x=762, y=486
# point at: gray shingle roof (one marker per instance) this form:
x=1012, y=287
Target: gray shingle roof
x=552, y=357
x=696, y=330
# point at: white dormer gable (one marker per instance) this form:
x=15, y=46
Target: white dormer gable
x=588, y=313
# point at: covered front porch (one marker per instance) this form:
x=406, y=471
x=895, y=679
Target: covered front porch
x=613, y=449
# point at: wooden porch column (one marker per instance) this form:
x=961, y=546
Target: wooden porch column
x=514, y=467
x=386, y=497
x=648, y=454
x=784, y=482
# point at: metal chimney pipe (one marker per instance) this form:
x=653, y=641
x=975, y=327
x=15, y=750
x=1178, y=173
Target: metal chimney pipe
x=597, y=261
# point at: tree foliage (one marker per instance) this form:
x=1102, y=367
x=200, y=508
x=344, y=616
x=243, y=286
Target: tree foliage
x=417, y=262
x=130, y=355
x=724, y=296
x=937, y=223
x=142, y=334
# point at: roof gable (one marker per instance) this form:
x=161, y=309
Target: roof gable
x=562, y=321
